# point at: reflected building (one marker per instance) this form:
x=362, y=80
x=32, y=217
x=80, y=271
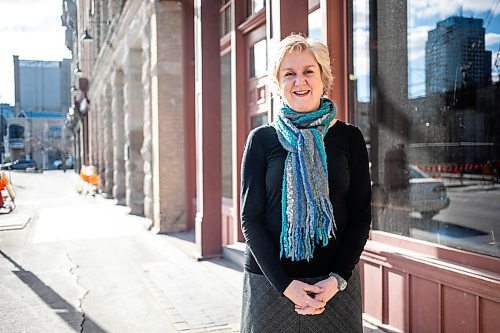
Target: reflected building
x=455, y=55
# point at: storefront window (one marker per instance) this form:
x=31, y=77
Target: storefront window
x=258, y=59
x=429, y=91
x=255, y=5
x=225, y=17
x=314, y=24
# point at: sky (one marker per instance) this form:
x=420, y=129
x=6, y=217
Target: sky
x=423, y=16
x=32, y=30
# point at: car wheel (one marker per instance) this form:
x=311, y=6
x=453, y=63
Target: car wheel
x=430, y=214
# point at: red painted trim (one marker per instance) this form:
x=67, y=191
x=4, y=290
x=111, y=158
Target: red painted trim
x=209, y=215
x=461, y=278
x=252, y=22
x=225, y=44
x=291, y=17
x=335, y=17
x=487, y=263
x=189, y=113
x=238, y=108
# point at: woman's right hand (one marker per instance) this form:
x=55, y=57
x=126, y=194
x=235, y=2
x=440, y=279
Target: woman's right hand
x=298, y=292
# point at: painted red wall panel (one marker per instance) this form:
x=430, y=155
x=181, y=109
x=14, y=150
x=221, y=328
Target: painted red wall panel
x=395, y=293
x=424, y=305
x=372, y=289
x=459, y=311
x=490, y=316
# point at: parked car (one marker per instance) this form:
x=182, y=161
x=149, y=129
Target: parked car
x=22, y=165
x=427, y=195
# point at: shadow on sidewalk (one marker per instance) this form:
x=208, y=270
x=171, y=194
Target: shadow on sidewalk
x=60, y=306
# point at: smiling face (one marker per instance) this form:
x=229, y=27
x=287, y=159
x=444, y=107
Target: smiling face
x=300, y=83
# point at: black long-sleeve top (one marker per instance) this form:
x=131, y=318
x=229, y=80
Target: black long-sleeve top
x=350, y=194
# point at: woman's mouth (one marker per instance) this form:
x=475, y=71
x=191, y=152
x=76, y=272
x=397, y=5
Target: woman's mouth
x=301, y=93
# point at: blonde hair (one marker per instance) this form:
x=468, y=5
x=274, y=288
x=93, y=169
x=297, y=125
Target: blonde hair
x=300, y=43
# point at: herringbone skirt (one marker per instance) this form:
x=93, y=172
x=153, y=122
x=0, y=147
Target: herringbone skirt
x=265, y=310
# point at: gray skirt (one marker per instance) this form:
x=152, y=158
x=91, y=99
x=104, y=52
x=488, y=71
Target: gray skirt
x=265, y=310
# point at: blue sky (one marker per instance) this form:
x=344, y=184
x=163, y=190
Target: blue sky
x=423, y=16
x=32, y=30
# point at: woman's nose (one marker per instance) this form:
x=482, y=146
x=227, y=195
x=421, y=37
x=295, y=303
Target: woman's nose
x=300, y=79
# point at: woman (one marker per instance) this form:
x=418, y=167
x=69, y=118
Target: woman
x=305, y=205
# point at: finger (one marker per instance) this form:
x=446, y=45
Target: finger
x=320, y=311
x=312, y=289
x=309, y=311
x=305, y=311
x=315, y=303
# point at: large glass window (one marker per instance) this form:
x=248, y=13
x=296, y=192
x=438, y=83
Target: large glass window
x=258, y=59
x=314, y=24
x=426, y=97
x=255, y=6
x=225, y=17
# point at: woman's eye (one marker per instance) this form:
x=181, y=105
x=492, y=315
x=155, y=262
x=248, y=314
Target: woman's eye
x=309, y=71
x=289, y=74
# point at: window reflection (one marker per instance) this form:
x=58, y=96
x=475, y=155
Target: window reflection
x=258, y=120
x=434, y=133
x=255, y=5
x=258, y=59
x=314, y=24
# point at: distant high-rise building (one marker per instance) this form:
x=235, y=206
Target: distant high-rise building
x=455, y=55
x=42, y=85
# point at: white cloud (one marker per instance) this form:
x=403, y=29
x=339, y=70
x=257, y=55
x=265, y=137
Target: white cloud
x=361, y=14
x=361, y=53
x=430, y=8
x=492, y=38
x=417, y=38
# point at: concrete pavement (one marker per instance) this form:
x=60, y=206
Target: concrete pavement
x=83, y=264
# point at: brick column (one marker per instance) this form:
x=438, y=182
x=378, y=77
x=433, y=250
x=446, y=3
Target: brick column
x=99, y=140
x=208, y=135
x=167, y=120
x=390, y=124
x=119, y=138
x=108, y=141
x=146, y=150
x=92, y=130
x=133, y=125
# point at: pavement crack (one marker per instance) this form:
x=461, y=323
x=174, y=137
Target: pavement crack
x=72, y=270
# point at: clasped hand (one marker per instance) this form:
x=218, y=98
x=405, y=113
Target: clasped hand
x=311, y=299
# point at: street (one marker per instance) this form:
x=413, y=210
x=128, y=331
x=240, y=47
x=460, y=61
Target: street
x=83, y=264
x=470, y=222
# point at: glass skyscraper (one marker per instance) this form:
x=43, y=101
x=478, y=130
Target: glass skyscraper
x=456, y=55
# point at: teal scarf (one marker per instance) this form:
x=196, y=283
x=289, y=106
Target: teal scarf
x=307, y=213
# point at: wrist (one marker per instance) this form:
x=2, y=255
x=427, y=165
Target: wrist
x=341, y=282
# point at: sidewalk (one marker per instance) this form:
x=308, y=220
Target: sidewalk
x=126, y=276
x=224, y=270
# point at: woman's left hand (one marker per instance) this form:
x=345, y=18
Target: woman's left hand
x=330, y=288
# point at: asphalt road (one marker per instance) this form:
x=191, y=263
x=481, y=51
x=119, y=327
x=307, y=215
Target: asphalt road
x=471, y=222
